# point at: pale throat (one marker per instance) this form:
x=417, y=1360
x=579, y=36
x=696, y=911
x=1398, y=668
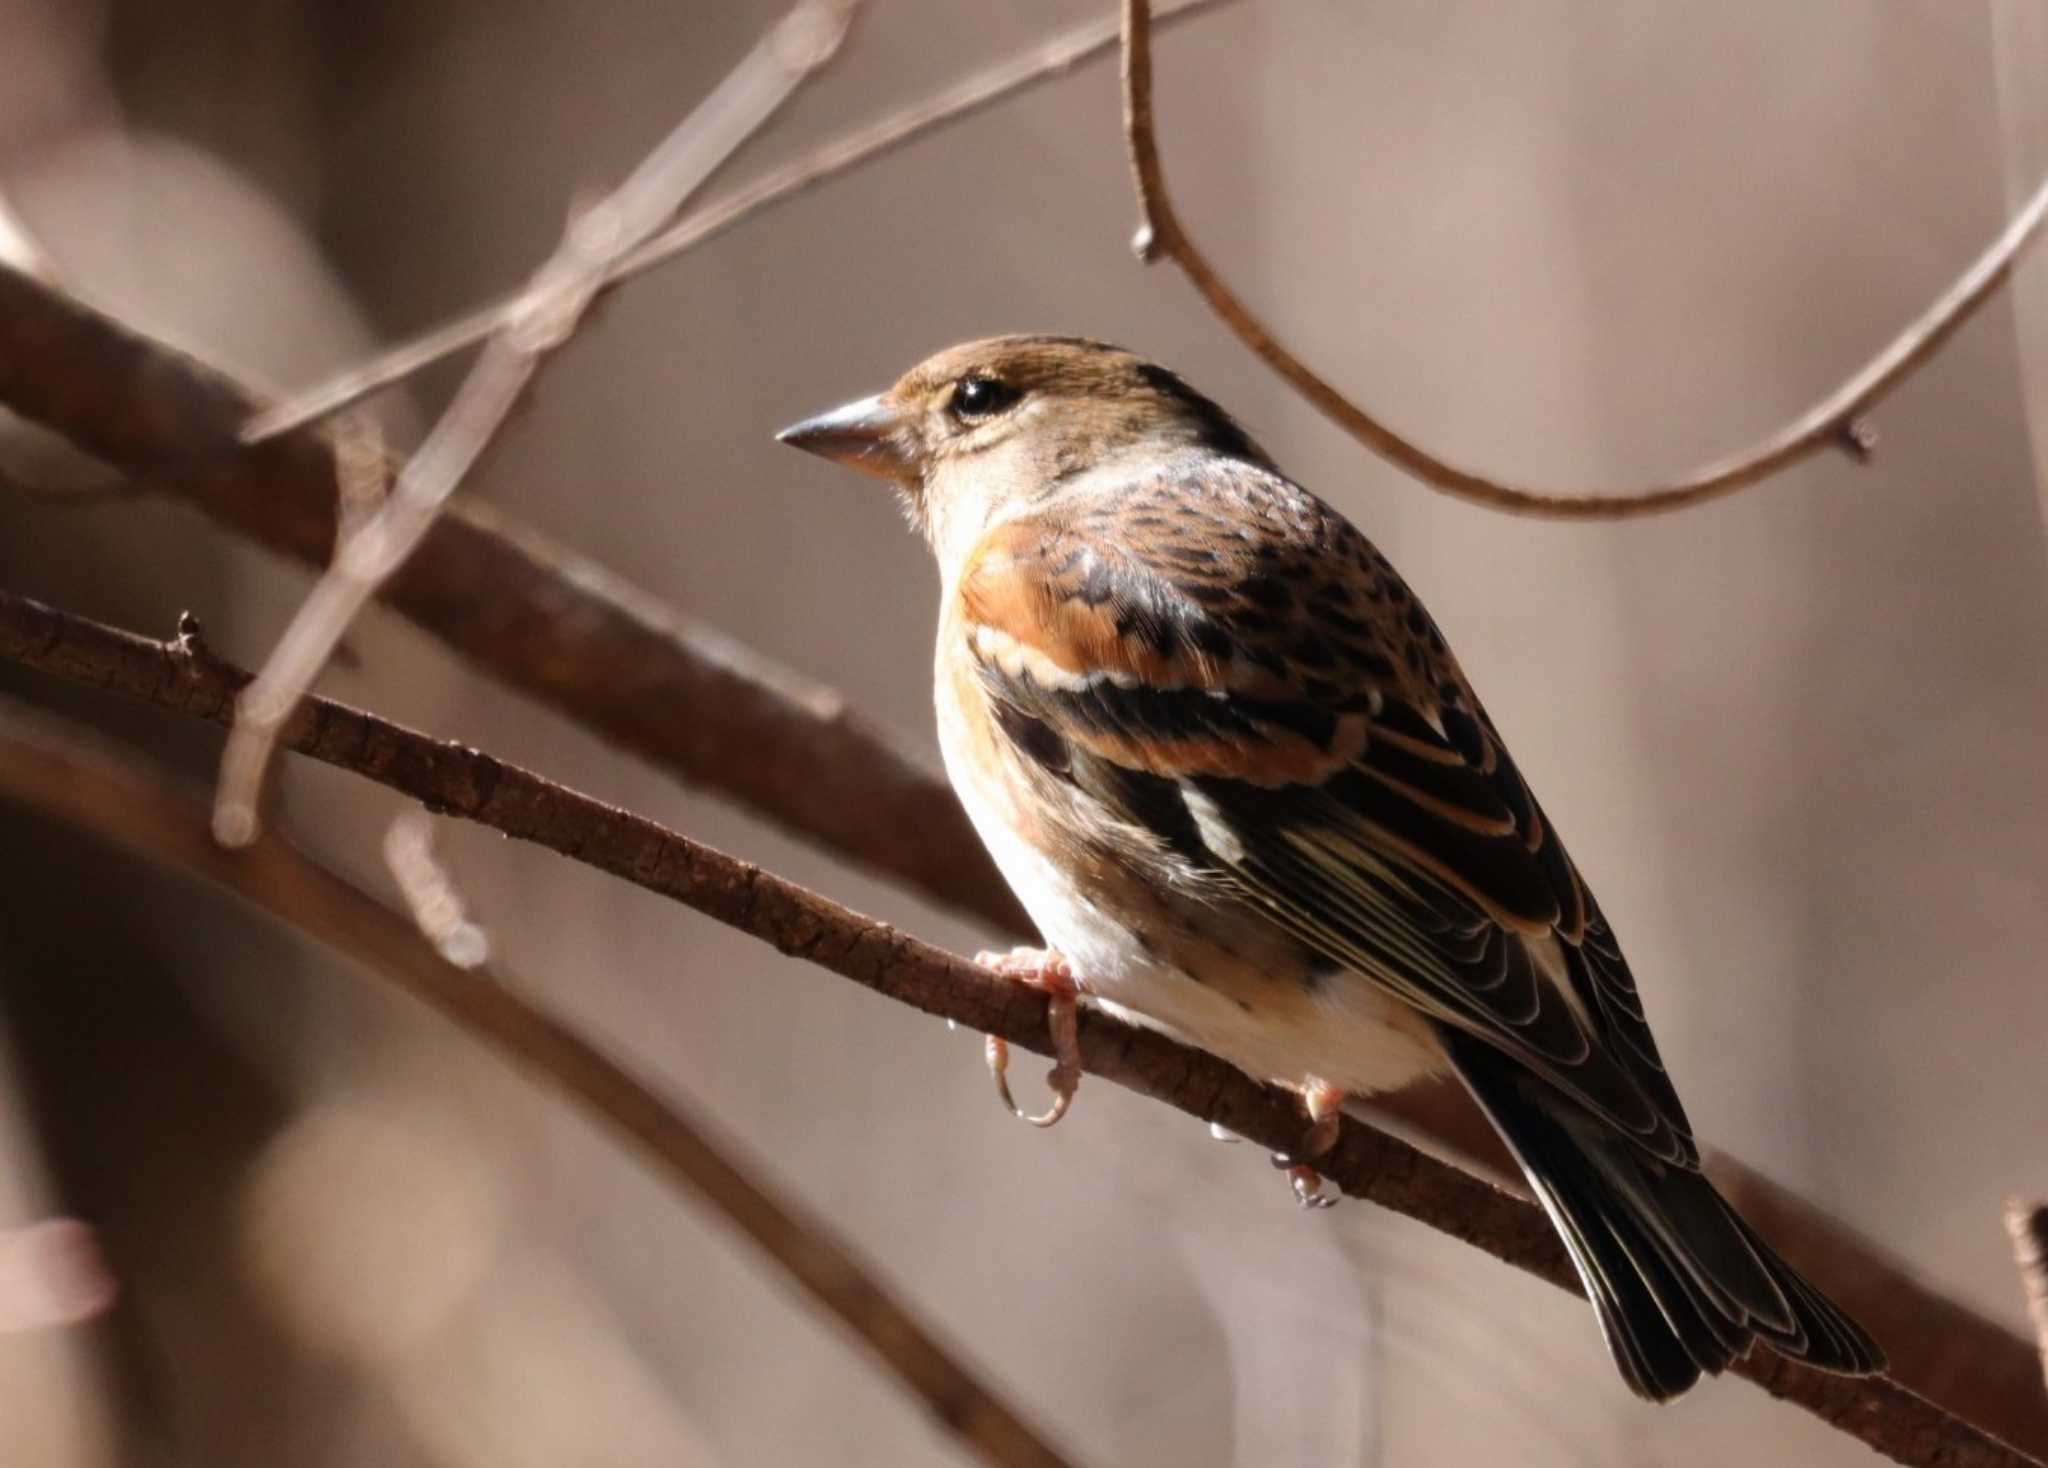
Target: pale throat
x=964, y=499
x=967, y=497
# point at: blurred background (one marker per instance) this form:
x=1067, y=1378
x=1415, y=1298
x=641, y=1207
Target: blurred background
x=1794, y=738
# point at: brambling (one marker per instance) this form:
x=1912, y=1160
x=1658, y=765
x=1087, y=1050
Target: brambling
x=1239, y=781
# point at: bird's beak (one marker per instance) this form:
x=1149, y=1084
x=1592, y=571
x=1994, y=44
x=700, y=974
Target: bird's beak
x=870, y=436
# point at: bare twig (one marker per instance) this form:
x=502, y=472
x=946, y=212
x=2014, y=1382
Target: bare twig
x=2019, y=56
x=58, y=770
x=1834, y=422
x=1365, y=1162
x=361, y=486
x=545, y=316
x=2028, y=1225
x=363, y=561
x=437, y=907
x=537, y=616
x=360, y=478
x=715, y=714
x=963, y=99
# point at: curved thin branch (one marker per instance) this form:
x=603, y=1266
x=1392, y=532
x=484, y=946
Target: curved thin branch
x=56, y=768
x=715, y=714
x=1834, y=422
x=1366, y=1163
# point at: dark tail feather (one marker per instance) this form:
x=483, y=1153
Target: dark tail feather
x=1679, y=1282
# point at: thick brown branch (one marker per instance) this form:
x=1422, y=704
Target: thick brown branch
x=542, y=619
x=1834, y=422
x=57, y=770
x=574, y=636
x=1366, y=1163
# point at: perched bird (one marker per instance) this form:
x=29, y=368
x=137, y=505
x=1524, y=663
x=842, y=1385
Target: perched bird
x=1239, y=781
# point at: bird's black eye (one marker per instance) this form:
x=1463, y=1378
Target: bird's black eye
x=978, y=397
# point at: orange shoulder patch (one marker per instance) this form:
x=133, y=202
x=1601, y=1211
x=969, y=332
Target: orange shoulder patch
x=1038, y=604
x=1054, y=620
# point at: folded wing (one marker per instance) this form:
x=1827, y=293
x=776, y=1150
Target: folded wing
x=1277, y=707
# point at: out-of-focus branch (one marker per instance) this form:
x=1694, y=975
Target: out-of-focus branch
x=18, y=248
x=2028, y=1225
x=361, y=489
x=545, y=317
x=1834, y=422
x=59, y=770
x=1367, y=1163
x=437, y=907
x=961, y=100
x=538, y=617
x=52, y=1274
x=571, y=634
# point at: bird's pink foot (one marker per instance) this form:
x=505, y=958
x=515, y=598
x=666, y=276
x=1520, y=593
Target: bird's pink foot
x=1041, y=968
x=1325, y=1104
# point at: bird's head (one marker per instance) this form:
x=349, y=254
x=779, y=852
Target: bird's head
x=984, y=429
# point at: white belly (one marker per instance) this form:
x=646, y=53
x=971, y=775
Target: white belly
x=1348, y=1032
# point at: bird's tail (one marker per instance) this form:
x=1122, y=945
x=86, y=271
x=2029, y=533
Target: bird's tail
x=1679, y=1282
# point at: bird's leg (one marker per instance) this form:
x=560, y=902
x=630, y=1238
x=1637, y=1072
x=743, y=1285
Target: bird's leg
x=1325, y=1104
x=1044, y=969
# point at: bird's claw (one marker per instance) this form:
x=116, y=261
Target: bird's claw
x=1306, y=1182
x=1050, y=972
x=1308, y=1188
x=1325, y=1104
